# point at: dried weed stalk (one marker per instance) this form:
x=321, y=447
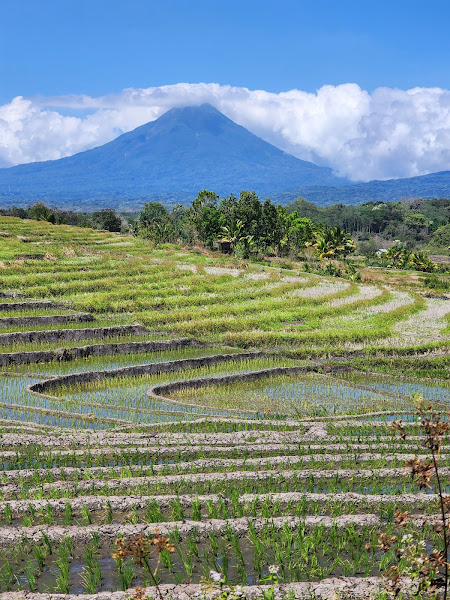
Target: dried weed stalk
x=428, y=570
x=141, y=549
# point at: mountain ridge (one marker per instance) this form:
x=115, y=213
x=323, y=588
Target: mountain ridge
x=429, y=186
x=185, y=150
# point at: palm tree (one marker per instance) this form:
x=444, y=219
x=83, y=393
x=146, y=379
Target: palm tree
x=233, y=235
x=401, y=257
x=397, y=255
x=333, y=242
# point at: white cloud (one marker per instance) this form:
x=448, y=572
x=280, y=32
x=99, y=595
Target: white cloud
x=389, y=133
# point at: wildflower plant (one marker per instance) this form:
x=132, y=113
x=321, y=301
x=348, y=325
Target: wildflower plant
x=272, y=576
x=214, y=587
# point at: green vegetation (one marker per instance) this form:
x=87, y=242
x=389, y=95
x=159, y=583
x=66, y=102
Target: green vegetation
x=254, y=227
x=402, y=258
x=102, y=219
x=298, y=395
x=206, y=295
x=263, y=467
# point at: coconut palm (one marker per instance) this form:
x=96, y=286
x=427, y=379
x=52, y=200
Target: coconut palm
x=333, y=242
x=234, y=235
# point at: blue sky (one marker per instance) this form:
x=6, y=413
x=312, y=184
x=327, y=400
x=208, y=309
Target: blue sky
x=362, y=87
x=95, y=47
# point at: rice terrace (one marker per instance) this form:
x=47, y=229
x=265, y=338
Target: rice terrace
x=205, y=423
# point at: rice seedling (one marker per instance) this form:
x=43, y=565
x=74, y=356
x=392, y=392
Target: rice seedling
x=63, y=569
x=91, y=575
x=272, y=478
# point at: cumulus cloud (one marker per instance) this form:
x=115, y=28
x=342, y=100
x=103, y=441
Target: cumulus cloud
x=386, y=134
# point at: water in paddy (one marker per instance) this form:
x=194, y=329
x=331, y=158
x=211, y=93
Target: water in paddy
x=127, y=404
x=243, y=559
x=13, y=392
x=303, y=395
x=240, y=568
x=333, y=398
x=433, y=390
x=407, y=418
x=134, y=398
x=300, y=394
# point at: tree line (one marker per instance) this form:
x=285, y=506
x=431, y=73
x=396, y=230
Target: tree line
x=246, y=225
x=106, y=219
x=249, y=224
x=243, y=224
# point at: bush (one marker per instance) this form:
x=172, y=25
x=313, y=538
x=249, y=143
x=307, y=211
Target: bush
x=436, y=283
x=441, y=237
x=402, y=258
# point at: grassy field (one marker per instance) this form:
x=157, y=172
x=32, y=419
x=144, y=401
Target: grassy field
x=212, y=297
x=250, y=422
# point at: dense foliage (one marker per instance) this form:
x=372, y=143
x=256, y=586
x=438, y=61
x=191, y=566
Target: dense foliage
x=399, y=256
x=248, y=225
x=106, y=219
x=245, y=226
x=410, y=221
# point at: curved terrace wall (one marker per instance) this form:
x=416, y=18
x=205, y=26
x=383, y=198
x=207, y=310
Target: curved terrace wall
x=27, y=337
x=42, y=387
x=66, y=354
x=158, y=391
x=45, y=320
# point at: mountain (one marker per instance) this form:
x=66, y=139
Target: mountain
x=186, y=150
x=170, y=159
x=433, y=185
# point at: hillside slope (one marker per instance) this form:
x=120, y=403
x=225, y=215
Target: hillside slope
x=433, y=185
x=185, y=150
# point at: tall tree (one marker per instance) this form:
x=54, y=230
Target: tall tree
x=300, y=232
x=153, y=222
x=274, y=225
x=205, y=217
x=249, y=211
x=107, y=219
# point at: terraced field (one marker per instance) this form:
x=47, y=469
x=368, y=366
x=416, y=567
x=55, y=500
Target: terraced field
x=242, y=410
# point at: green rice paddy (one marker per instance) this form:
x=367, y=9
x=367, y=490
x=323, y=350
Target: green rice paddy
x=241, y=469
